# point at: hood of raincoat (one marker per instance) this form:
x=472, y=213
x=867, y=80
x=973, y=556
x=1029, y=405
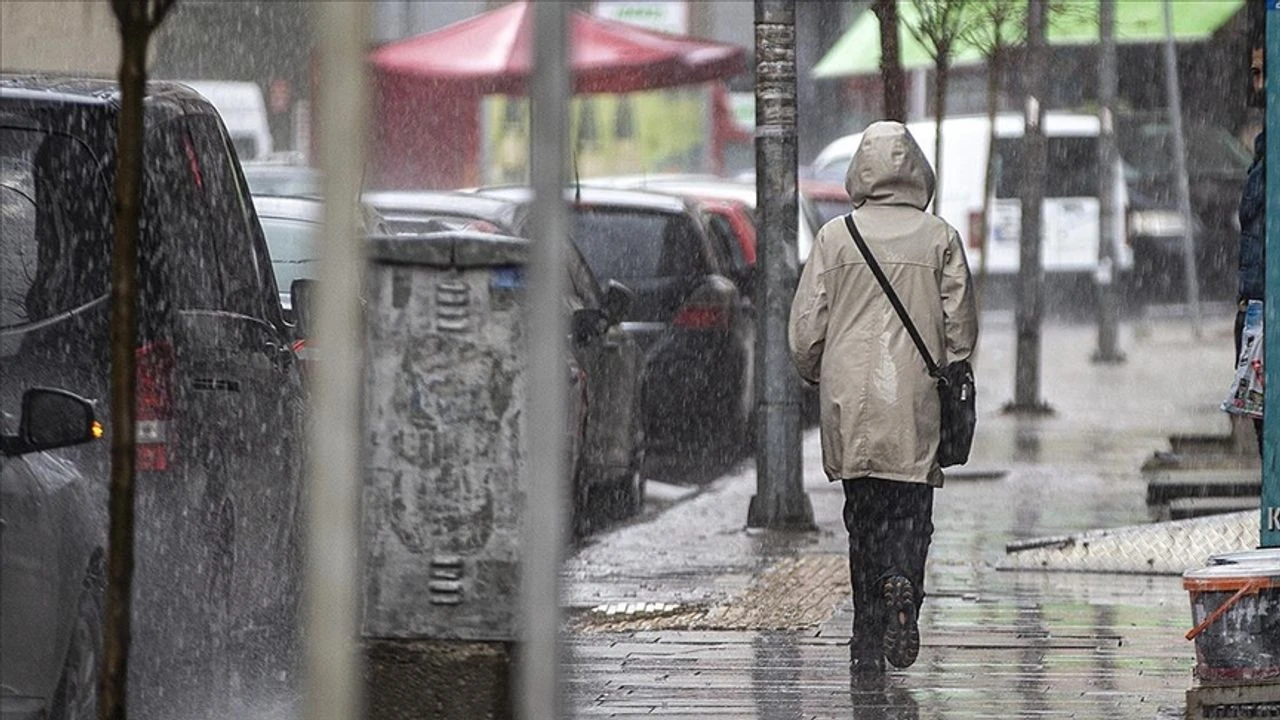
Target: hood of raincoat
x=889, y=169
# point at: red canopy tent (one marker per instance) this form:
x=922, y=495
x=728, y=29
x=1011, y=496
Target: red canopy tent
x=428, y=87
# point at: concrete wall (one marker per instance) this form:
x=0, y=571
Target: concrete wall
x=72, y=36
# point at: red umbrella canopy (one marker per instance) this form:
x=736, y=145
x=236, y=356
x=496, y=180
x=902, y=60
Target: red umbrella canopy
x=492, y=53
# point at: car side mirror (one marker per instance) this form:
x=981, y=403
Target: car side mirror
x=617, y=301
x=588, y=324
x=300, y=297
x=51, y=419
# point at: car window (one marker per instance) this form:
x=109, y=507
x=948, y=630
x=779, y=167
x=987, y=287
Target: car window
x=54, y=226
x=1072, y=167
x=581, y=280
x=228, y=209
x=625, y=243
x=180, y=260
x=294, y=246
x=726, y=240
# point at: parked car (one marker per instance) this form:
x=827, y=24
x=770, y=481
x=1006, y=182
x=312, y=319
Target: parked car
x=710, y=187
x=217, y=537
x=39, y=492
x=1216, y=166
x=280, y=179
x=696, y=326
x=292, y=228
x=606, y=367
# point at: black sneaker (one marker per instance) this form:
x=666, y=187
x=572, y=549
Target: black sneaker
x=901, y=634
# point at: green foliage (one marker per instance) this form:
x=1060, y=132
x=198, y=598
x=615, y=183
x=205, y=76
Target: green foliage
x=941, y=25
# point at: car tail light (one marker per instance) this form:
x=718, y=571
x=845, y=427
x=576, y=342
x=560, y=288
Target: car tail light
x=154, y=403
x=975, y=231
x=701, y=317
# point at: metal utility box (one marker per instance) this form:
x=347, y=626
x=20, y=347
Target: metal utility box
x=445, y=388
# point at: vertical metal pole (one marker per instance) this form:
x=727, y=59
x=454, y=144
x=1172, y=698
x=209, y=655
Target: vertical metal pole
x=780, y=500
x=1180, y=169
x=546, y=495
x=1271, y=430
x=1030, y=292
x=1108, y=313
x=332, y=573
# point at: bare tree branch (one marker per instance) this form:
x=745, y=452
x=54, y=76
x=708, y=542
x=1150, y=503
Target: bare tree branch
x=941, y=26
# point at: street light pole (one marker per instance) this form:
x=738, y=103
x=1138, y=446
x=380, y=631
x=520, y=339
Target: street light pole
x=1108, y=313
x=780, y=501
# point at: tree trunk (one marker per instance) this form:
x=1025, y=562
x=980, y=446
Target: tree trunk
x=891, y=75
x=134, y=35
x=1026, y=382
x=994, y=68
x=939, y=111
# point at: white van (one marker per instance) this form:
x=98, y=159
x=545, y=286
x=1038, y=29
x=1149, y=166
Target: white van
x=1070, y=231
x=243, y=112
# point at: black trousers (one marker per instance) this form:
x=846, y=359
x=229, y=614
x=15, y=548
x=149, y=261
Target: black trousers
x=890, y=525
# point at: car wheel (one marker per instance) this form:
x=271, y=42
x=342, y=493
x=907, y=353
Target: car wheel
x=77, y=695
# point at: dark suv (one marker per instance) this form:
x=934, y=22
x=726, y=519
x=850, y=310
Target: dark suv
x=218, y=397
x=696, y=325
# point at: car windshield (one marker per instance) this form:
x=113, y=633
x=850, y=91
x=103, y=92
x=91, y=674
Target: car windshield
x=1147, y=148
x=625, y=243
x=294, y=247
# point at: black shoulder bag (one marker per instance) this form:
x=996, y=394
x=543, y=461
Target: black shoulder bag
x=956, y=390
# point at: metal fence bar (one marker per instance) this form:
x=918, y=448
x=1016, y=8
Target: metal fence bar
x=546, y=492
x=332, y=683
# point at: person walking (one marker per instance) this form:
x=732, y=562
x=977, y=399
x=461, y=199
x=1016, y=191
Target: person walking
x=879, y=405
x=1253, y=219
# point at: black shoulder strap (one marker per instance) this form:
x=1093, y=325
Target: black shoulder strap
x=893, y=296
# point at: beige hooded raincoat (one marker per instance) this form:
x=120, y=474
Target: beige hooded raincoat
x=879, y=406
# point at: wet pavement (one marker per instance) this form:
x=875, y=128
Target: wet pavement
x=686, y=613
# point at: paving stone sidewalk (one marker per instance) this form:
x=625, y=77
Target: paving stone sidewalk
x=690, y=614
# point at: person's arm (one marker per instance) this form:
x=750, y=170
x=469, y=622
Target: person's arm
x=960, y=316
x=808, y=327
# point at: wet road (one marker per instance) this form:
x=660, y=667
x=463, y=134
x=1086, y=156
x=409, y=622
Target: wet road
x=686, y=613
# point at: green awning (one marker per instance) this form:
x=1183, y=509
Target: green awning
x=857, y=52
